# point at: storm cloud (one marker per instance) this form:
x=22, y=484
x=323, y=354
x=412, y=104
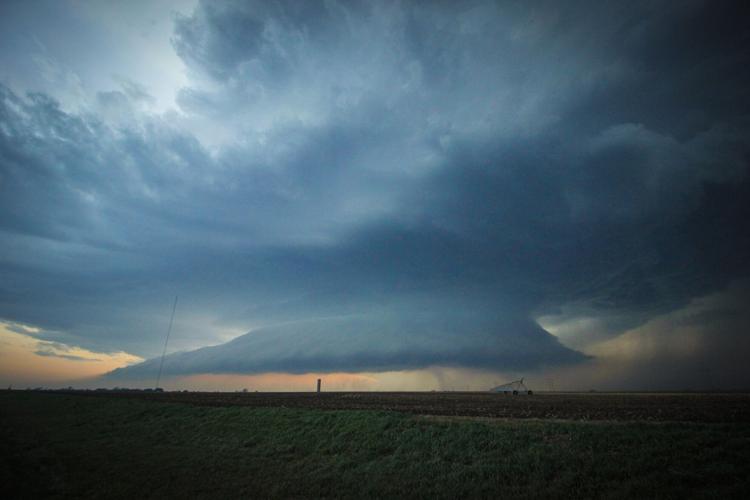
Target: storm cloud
x=383, y=186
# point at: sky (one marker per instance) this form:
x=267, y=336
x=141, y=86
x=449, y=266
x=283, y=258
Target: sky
x=386, y=195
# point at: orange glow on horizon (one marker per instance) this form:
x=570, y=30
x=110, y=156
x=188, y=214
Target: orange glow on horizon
x=26, y=360
x=433, y=378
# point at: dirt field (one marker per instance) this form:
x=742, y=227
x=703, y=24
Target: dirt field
x=685, y=407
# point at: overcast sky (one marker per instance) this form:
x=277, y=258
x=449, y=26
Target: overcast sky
x=551, y=189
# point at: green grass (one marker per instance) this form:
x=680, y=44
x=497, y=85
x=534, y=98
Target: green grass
x=64, y=445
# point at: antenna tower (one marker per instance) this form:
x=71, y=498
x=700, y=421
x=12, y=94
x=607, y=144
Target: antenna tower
x=164, y=352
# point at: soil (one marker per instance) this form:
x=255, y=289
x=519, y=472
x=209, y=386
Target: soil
x=657, y=407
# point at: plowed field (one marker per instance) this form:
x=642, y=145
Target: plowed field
x=677, y=407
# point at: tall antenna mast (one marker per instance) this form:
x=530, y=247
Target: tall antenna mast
x=169, y=330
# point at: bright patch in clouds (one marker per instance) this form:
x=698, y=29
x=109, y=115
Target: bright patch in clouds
x=26, y=360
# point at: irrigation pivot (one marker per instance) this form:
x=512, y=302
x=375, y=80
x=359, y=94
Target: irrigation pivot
x=516, y=387
x=166, y=341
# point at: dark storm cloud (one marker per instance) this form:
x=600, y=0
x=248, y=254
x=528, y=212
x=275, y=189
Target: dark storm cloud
x=439, y=174
x=700, y=347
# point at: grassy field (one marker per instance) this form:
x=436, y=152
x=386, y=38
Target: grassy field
x=69, y=445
